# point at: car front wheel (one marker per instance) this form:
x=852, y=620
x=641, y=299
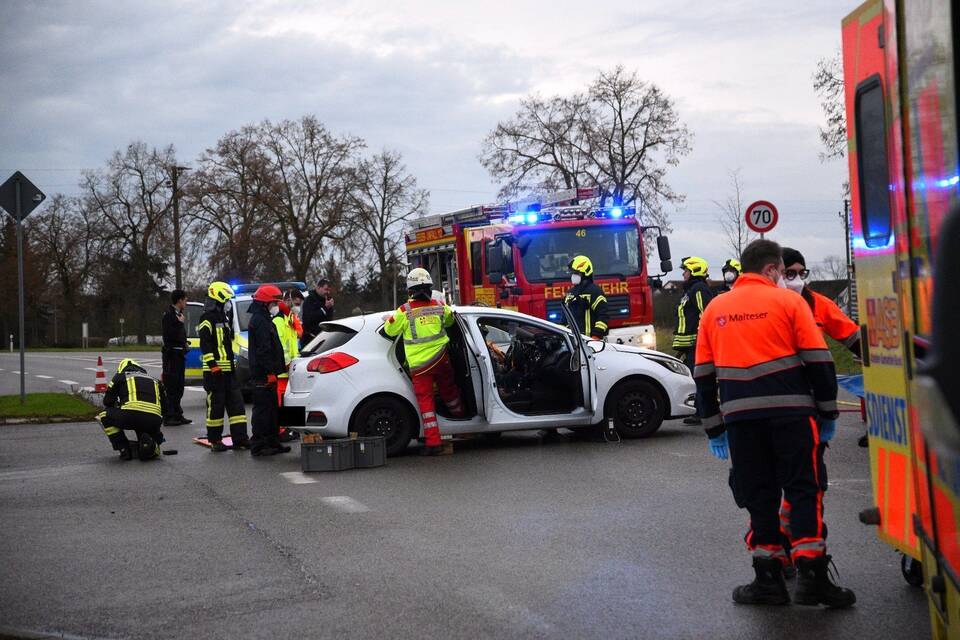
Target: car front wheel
x=387, y=417
x=637, y=408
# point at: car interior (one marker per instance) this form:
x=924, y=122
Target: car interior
x=531, y=367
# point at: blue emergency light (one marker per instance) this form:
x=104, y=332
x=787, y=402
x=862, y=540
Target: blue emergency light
x=616, y=212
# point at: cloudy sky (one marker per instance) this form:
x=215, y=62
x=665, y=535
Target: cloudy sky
x=430, y=78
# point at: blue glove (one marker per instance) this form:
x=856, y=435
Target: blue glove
x=718, y=446
x=827, y=429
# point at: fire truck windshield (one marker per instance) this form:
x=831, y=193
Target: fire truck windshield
x=613, y=249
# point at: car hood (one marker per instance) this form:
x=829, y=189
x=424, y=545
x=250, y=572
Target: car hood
x=626, y=348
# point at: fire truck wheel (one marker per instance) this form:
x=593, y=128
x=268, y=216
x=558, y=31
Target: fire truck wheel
x=912, y=571
x=388, y=417
x=637, y=408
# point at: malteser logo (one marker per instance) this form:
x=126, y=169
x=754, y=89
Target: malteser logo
x=739, y=317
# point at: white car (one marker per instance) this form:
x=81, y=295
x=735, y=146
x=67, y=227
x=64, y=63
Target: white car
x=514, y=371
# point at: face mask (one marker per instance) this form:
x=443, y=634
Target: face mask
x=296, y=310
x=575, y=278
x=274, y=309
x=729, y=277
x=227, y=306
x=795, y=285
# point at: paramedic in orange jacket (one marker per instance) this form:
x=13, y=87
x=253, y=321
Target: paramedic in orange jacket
x=764, y=374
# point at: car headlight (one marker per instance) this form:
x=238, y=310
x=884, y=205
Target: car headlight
x=673, y=365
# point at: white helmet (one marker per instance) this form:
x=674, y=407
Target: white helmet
x=418, y=277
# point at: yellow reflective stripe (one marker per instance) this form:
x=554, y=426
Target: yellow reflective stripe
x=700, y=301
x=131, y=389
x=682, y=320
x=111, y=431
x=204, y=325
x=215, y=423
x=597, y=301
x=143, y=407
x=220, y=347
x=241, y=419
x=209, y=398
x=207, y=357
x=600, y=324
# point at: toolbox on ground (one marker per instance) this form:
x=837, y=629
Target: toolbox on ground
x=370, y=452
x=329, y=455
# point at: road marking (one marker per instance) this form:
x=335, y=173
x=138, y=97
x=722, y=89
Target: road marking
x=298, y=477
x=45, y=377
x=345, y=504
x=16, y=372
x=68, y=381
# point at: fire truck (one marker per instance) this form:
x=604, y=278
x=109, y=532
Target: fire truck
x=516, y=256
x=900, y=60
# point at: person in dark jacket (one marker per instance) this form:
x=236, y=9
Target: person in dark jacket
x=266, y=364
x=174, y=355
x=136, y=401
x=586, y=300
x=317, y=308
x=696, y=296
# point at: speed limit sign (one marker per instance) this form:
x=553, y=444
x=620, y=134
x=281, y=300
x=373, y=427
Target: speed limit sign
x=762, y=216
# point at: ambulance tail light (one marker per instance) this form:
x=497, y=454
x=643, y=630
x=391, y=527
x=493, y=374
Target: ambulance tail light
x=330, y=362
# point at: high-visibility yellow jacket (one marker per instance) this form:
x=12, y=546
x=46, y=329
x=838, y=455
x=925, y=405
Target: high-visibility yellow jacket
x=423, y=326
x=287, y=332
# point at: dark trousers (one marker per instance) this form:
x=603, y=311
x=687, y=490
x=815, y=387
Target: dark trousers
x=264, y=420
x=174, y=367
x=774, y=457
x=223, y=395
x=115, y=420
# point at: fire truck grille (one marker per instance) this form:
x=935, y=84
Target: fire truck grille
x=618, y=307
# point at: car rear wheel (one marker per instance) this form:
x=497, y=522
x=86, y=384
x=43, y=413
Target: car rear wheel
x=387, y=417
x=637, y=408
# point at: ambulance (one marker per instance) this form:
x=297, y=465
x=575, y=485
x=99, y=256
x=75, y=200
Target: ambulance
x=900, y=61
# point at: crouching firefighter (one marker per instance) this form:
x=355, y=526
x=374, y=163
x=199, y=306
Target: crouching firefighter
x=219, y=379
x=422, y=321
x=586, y=300
x=136, y=401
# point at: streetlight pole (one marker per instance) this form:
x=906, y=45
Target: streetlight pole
x=175, y=172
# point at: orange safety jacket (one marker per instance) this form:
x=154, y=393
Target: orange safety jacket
x=832, y=321
x=761, y=355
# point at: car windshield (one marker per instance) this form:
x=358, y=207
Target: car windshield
x=242, y=309
x=331, y=336
x=613, y=249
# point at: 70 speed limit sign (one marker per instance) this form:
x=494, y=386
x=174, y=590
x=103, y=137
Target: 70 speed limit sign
x=762, y=216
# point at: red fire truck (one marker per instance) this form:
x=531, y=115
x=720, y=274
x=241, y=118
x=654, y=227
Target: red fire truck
x=516, y=256
x=901, y=62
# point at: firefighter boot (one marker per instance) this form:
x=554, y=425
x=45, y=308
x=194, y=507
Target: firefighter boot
x=767, y=588
x=126, y=453
x=147, y=449
x=815, y=585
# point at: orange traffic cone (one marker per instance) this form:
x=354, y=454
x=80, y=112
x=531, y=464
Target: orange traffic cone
x=101, y=384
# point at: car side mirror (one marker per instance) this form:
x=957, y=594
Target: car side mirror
x=663, y=248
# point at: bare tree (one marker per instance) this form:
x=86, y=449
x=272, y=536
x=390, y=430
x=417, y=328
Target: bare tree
x=130, y=201
x=620, y=136
x=312, y=174
x=830, y=268
x=828, y=84
x=385, y=196
x=731, y=216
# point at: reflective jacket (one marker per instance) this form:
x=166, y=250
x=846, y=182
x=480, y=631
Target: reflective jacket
x=832, y=321
x=761, y=355
x=287, y=332
x=134, y=390
x=216, y=339
x=696, y=296
x=423, y=326
x=589, y=308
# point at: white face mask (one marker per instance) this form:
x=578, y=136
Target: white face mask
x=795, y=285
x=296, y=310
x=575, y=278
x=274, y=309
x=729, y=277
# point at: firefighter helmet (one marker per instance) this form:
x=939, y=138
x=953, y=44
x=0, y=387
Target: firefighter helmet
x=696, y=266
x=267, y=293
x=419, y=277
x=129, y=363
x=581, y=265
x=219, y=291
x=147, y=448
x=732, y=265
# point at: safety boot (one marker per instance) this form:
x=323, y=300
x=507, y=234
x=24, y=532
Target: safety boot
x=241, y=444
x=218, y=446
x=767, y=588
x=126, y=453
x=815, y=585
x=148, y=449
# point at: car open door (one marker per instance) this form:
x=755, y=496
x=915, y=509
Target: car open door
x=476, y=358
x=587, y=362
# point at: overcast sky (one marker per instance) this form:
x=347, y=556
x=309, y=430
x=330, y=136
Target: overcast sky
x=430, y=78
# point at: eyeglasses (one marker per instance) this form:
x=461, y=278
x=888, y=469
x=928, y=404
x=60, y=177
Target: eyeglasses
x=791, y=274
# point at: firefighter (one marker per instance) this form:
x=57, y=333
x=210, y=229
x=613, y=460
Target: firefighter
x=422, y=321
x=174, y=355
x=136, y=401
x=586, y=300
x=696, y=296
x=287, y=325
x=219, y=374
x=764, y=374
x=266, y=366
x=731, y=271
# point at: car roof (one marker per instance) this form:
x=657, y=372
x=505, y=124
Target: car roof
x=357, y=323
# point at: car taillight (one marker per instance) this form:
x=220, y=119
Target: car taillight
x=330, y=362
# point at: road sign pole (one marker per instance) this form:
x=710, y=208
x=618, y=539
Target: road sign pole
x=19, y=216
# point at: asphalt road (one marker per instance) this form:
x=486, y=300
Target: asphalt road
x=519, y=538
x=59, y=371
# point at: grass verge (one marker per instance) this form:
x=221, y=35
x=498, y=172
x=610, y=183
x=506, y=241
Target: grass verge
x=46, y=406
